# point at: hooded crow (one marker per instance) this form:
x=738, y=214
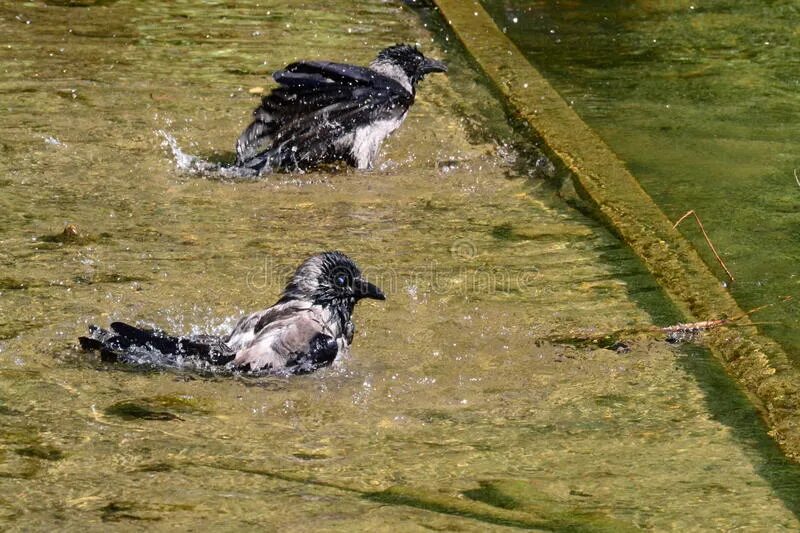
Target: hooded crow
x=323, y=112
x=305, y=330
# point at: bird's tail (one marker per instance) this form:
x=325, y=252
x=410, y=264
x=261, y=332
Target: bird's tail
x=153, y=347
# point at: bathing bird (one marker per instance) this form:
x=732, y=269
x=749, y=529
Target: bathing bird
x=322, y=112
x=307, y=328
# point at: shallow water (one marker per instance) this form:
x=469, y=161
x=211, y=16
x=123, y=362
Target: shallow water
x=700, y=99
x=451, y=382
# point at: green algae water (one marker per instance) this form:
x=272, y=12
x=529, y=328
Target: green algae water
x=700, y=99
x=453, y=411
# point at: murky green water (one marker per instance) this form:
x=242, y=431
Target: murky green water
x=702, y=100
x=450, y=393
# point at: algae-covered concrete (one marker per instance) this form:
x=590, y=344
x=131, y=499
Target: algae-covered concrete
x=757, y=362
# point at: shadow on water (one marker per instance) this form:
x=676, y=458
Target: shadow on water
x=731, y=406
x=510, y=503
x=700, y=103
x=498, y=121
x=727, y=402
x=79, y=3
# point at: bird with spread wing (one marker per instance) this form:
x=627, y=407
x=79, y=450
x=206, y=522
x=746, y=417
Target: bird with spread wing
x=323, y=112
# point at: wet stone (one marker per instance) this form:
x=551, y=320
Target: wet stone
x=48, y=453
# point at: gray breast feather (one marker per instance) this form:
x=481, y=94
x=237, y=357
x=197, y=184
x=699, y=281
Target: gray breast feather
x=273, y=338
x=246, y=329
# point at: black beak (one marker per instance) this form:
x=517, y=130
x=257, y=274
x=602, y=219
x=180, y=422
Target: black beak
x=431, y=65
x=365, y=289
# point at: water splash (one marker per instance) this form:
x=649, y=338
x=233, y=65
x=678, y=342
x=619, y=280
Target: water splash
x=184, y=161
x=196, y=165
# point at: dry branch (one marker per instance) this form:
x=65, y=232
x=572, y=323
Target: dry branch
x=708, y=240
x=675, y=332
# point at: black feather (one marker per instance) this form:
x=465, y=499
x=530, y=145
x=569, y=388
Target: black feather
x=335, y=72
x=90, y=344
x=322, y=352
x=126, y=342
x=299, y=123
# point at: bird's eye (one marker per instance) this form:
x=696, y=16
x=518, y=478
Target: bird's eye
x=340, y=281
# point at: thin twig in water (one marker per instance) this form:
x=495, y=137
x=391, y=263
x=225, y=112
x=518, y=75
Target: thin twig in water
x=675, y=332
x=708, y=240
x=686, y=328
x=708, y=324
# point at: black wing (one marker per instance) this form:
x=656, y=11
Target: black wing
x=322, y=351
x=130, y=344
x=298, y=123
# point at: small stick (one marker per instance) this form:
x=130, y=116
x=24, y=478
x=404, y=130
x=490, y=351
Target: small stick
x=708, y=324
x=796, y=178
x=708, y=240
x=694, y=326
x=687, y=327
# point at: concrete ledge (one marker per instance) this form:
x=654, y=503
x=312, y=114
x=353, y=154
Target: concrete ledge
x=756, y=362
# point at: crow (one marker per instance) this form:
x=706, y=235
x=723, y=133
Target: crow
x=324, y=112
x=309, y=326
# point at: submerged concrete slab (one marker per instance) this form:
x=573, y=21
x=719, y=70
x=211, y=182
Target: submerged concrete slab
x=757, y=362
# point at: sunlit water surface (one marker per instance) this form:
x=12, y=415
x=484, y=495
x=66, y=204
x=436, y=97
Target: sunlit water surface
x=450, y=382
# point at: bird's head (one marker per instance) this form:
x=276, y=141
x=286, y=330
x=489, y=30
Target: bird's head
x=410, y=61
x=330, y=279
